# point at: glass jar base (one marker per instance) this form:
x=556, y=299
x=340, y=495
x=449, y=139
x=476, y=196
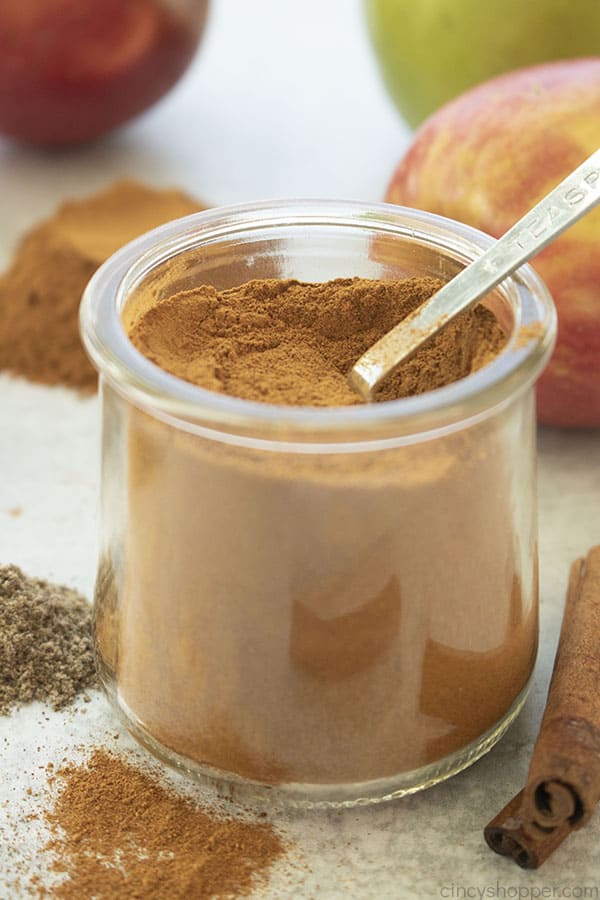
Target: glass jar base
x=324, y=796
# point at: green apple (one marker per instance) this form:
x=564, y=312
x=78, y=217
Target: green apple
x=432, y=50
x=489, y=156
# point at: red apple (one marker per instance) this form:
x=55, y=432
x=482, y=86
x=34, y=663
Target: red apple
x=71, y=70
x=490, y=155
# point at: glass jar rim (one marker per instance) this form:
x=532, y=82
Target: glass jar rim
x=196, y=409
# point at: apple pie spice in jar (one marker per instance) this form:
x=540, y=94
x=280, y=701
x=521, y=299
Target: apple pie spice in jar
x=297, y=591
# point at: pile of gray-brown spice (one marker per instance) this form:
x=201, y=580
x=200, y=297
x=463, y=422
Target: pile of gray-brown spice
x=45, y=642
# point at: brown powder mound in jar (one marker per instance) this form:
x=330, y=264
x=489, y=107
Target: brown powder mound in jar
x=119, y=834
x=40, y=292
x=293, y=343
x=45, y=642
x=327, y=594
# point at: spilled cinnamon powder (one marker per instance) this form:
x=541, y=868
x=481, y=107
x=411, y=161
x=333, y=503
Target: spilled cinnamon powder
x=120, y=834
x=288, y=342
x=40, y=292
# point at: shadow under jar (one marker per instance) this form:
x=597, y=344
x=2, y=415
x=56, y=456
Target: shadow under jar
x=339, y=605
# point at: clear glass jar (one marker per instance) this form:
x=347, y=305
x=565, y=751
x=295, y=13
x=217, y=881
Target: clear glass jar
x=338, y=606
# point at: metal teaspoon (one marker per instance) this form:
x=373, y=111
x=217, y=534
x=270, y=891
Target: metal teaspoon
x=562, y=207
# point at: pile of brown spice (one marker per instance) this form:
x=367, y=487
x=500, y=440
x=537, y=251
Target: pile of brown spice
x=366, y=592
x=45, y=642
x=41, y=291
x=288, y=342
x=120, y=834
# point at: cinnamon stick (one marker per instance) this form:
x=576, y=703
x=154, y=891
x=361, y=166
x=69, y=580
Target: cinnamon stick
x=563, y=781
x=507, y=835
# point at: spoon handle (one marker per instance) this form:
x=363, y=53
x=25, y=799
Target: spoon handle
x=561, y=208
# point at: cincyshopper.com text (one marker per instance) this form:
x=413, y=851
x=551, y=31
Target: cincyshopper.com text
x=500, y=891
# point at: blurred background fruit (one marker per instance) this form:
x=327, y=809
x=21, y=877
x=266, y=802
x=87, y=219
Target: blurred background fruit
x=432, y=50
x=489, y=156
x=71, y=70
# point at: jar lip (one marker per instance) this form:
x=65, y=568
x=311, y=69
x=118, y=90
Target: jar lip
x=149, y=387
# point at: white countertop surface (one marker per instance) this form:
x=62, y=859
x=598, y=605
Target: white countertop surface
x=283, y=100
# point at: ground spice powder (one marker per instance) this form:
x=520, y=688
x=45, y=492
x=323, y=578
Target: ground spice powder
x=288, y=342
x=45, y=642
x=120, y=834
x=328, y=615
x=41, y=290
